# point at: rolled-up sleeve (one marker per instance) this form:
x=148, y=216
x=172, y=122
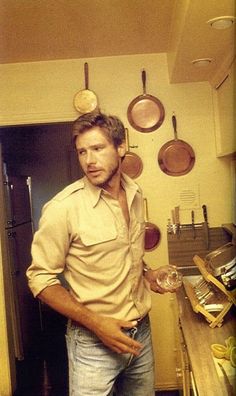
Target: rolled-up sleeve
x=49, y=248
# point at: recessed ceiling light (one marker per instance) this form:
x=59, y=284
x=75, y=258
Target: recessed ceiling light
x=223, y=22
x=202, y=62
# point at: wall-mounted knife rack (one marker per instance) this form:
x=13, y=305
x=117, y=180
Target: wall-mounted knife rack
x=182, y=248
x=175, y=227
x=220, y=296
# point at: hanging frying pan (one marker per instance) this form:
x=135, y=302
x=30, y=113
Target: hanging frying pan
x=152, y=232
x=85, y=100
x=145, y=113
x=131, y=164
x=176, y=157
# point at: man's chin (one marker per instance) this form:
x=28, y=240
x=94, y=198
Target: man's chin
x=96, y=181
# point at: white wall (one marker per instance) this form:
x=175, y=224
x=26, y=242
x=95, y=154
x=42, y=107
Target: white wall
x=43, y=92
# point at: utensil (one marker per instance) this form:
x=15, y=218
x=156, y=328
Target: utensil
x=131, y=164
x=85, y=100
x=205, y=226
x=176, y=157
x=152, y=232
x=145, y=112
x=193, y=226
x=177, y=221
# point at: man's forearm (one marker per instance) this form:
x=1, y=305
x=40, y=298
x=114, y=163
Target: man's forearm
x=109, y=330
x=58, y=298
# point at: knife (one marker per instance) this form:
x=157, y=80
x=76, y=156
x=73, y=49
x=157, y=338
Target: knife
x=229, y=387
x=205, y=226
x=193, y=228
x=177, y=220
x=173, y=221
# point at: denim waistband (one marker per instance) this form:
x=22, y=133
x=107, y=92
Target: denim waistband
x=74, y=324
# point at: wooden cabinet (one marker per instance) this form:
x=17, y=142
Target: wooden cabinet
x=182, y=361
x=198, y=369
x=224, y=102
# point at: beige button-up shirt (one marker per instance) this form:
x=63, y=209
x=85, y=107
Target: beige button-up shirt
x=83, y=234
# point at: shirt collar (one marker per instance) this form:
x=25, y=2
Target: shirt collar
x=95, y=192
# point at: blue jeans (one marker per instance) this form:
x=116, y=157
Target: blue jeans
x=96, y=370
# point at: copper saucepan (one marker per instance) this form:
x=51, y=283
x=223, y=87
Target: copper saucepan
x=145, y=113
x=131, y=164
x=176, y=157
x=152, y=232
x=85, y=100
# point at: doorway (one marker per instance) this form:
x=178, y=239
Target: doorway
x=45, y=154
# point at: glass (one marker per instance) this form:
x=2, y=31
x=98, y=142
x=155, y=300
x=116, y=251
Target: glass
x=169, y=278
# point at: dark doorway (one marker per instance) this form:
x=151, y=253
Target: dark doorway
x=45, y=154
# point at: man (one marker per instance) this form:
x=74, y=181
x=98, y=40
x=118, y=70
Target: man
x=93, y=233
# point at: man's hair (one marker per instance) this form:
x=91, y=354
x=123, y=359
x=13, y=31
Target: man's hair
x=112, y=126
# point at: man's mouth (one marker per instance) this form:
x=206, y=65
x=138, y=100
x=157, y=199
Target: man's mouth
x=94, y=171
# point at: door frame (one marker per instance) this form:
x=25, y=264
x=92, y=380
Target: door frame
x=7, y=355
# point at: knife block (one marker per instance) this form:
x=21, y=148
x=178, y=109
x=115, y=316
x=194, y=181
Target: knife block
x=225, y=297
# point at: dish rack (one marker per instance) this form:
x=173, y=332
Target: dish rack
x=219, y=300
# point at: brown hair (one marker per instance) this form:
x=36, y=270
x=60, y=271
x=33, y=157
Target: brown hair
x=112, y=126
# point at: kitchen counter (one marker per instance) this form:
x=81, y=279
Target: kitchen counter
x=198, y=337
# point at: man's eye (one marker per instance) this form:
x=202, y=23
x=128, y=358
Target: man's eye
x=81, y=152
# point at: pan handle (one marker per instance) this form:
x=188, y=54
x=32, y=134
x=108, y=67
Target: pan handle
x=144, y=81
x=127, y=139
x=174, y=123
x=127, y=143
x=145, y=209
x=204, y=209
x=86, y=75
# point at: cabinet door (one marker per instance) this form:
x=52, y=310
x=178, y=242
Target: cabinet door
x=181, y=355
x=225, y=103
x=185, y=364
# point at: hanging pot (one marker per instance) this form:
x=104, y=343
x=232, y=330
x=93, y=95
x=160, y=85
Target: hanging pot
x=131, y=164
x=145, y=113
x=85, y=100
x=176, y=157
x=152, y=232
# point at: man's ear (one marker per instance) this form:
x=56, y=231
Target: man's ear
x=122, y=149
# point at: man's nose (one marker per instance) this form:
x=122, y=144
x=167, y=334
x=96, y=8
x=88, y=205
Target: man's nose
x=90, y=157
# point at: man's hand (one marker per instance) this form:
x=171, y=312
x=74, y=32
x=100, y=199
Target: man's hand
x=151, y=276
x=109, y=331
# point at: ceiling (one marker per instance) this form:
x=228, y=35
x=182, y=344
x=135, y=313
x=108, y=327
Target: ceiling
x=42, y=30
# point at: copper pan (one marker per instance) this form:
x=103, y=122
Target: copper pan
x=85, y=100
x=152, y=232
x=145, y=113
x=176, y=157
x=131, y=164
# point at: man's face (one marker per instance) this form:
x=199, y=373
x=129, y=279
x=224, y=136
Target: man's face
x=98, y=157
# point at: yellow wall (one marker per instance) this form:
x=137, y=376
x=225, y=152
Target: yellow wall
x=44, y=91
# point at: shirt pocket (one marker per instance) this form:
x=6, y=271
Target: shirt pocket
x=97, y=233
